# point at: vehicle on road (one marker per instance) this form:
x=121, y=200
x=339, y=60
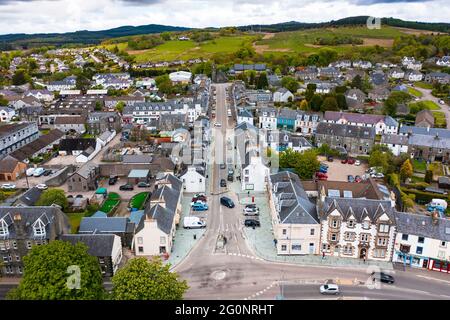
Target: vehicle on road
x=227, y=202
x=126, y=187
x=350, y=178
x=143, y=185
x=38, y=172
x=30, y=172
x=377, y=175
x=357, y=163
x=329, y=289
x=199, y=206
x=382, y=277
x=252, y=223
x=223, y=166
x=112, y=180
x=8, y=186
x=217, y=125
x=193, y=223
x=441, y=101
x=42, y=186
x=223, y=183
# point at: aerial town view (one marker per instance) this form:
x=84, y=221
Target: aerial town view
x=224, y=150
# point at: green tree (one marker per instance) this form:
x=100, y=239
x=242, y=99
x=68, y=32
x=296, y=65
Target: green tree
x=120, y=106
x=357, y=82
x=406, y=171
x=341, y=101
x=329, y=104
x=390, y=107
x=3, y=101
x=262, y=83
x=316, y=102
x=82, y=83
x=47, y=274
x=165, y=36
x=144, y=280
x=428, y=176
x=304, y=105
x=98, y=106
x=20, y=77
x=305, y=164
x=53, y=196
x=290, y=83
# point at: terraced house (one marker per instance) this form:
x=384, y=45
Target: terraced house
x=14, y=136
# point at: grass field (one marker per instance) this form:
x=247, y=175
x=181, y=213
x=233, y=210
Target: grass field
x=423, y=85
x=419, y=166
x=138, y=200
x=430, y=105
x=414, y=92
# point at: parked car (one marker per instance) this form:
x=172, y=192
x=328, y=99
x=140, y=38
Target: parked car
x=199, y=206
x=193, y=223
x=351, y=161
x=199, y=198
x=378, y=175
x=223, y=166
x=112, y=180
x=324, y=165
x=323, y=170
x=30, y=172
x=329, y=289
x=358, y=179
x=126, y=187
x=230, y=178
x=227, y=202
x=143, y=185
x=383, y=277
x=350, y=178
x=251, y=210
x=38, y=172
x=47, y=173
x=218, y=125
x=42, y=186
x=8, y=186
x=252, y=223
x=223, y=183
x=330, y=158
x=321, y=175
x=357, y=163
x=344, y=161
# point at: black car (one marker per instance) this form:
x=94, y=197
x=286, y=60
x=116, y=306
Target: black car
x=383, y=277
x=230, y=178
x=47, y=173
x=223, y=166
x=112, y=180
x=126, y=187
x=252, y=223
x=227, y=202
x=223, y=183
x=143, y=185
x=330, y=158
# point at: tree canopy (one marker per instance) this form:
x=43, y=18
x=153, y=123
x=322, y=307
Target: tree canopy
x=50, y=273
x=305, y=164
x=53, y=196
x=144, y=280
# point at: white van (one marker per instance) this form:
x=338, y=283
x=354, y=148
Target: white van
x=439, y=202
x=193, y=223
x=38, y=172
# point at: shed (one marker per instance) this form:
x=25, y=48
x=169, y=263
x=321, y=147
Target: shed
x=138, y=175
x=444, y=182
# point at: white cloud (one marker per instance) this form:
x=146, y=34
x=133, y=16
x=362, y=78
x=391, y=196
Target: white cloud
x=34, y=16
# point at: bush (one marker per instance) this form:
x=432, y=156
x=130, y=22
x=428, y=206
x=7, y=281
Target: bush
x=428, y=176
x=422, y=196
x=393, y=180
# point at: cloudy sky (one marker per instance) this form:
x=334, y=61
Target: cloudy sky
x=35, y=16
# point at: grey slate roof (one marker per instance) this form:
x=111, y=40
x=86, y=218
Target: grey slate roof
x=31, y=196
x=444, y=133
x=99, y=245
x=103, y=225
x=295, y=205
x=359, y=208
x=164, y=218
x=137, y=158
x=422, y=225
x=394, y=139
x=343, y=130
x=429, y=141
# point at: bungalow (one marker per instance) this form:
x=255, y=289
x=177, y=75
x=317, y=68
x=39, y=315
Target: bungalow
x=283, y=95
x=378, y=78
x=329, y=72
x=362, y=64
x=68, y=83
x=11, y=169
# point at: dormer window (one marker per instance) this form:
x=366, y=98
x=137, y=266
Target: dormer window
x=351, y=223
x=366, y=225
x=4, y=231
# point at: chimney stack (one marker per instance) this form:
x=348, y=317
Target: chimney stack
x=18, y=225
x=435, y=217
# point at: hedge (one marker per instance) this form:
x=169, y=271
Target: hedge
x=424, y=197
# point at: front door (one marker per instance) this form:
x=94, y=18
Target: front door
x=425, y=263
x=362, y=253
x=311, y=248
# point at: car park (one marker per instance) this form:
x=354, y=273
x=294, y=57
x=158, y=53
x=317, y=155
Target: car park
x=126, y=187
x=8, y=186
x=42, y=186
x=329, y=289
x=199, y=206
x=227, y=202
x=382, y=277
x=252, y=223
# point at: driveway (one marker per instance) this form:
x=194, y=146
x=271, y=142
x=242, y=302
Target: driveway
x=426, y=95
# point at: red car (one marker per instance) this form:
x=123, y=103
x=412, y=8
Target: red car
x=199, y=198
x=351, y=161
x=344, y=161
x=321, y=176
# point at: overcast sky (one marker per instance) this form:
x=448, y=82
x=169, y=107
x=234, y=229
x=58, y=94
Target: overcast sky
x=35, y=16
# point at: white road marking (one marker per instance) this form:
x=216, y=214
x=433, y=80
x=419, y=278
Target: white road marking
x=431, y=278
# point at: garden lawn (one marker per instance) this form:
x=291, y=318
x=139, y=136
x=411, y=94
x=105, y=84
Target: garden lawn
x=112, y=200
x=138, y=200
x=414, y=92
x=439, y=119
x=423, y=85
x=431, y=105
x=75, y=220
x=419, y=166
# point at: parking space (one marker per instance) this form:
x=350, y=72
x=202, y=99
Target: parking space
x=338, y=171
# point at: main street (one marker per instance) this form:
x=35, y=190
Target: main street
x=237, y=273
